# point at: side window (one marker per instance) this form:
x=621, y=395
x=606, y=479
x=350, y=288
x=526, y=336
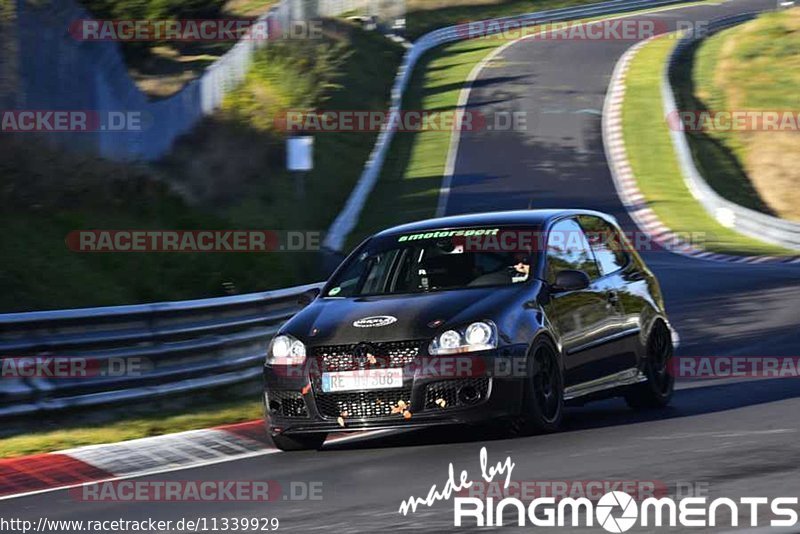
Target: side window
x=348, y=281
x=567, y=248
x=367, y=271
x=606, y=242
x=378, y=272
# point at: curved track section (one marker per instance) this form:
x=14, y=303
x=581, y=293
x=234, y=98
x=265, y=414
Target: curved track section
x=559, y=161
x=738, y=439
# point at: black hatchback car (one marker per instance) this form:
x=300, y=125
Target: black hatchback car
x=497, y=317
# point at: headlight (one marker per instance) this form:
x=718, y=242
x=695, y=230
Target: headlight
x=481, y=335
x=286, y=350
x=478, y=334
x=450, y=340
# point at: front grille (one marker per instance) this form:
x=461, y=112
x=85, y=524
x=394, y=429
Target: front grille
x=361, y=404
x=343, y=357
x=287, y=404
x=447, y=390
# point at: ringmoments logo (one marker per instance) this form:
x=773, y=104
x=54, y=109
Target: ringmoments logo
x=615, y=511
x=606, y=507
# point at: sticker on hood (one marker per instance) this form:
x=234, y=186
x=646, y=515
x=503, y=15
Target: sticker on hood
x=376, y=320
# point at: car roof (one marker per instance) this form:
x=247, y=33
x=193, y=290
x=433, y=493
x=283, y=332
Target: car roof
x=492, y=218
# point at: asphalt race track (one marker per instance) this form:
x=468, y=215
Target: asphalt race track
x=741, y=439
x=718, y=309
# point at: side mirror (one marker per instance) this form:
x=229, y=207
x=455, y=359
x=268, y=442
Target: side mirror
x=569, y=280
x=306, y=297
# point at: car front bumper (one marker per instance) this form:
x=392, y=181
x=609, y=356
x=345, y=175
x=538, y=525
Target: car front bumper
x=295, y=403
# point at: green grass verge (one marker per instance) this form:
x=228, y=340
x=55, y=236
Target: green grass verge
x=753, y=66
x=92, y=427
x=652, y=157
x=717, y=154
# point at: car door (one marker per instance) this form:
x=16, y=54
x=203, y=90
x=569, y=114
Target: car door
x=623, y=313
x=580, y=318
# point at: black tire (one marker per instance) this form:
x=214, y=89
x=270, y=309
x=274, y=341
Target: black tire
x=299, y=442
x=543, y=396
x=656, y=392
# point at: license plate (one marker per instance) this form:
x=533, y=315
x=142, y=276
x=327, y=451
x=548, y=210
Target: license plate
x=363, y=379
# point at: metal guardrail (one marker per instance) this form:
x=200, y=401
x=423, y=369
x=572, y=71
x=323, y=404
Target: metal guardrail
x=176, y=346
x=729, y=214
x=346, y=220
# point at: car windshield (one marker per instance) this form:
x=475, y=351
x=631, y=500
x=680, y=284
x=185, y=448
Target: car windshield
x=435, y=261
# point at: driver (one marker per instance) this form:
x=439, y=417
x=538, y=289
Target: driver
x=521, y=267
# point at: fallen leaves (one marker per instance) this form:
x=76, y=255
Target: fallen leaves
x=306, y=389
x=341, y=417
x=441, y=403
x=402, y=408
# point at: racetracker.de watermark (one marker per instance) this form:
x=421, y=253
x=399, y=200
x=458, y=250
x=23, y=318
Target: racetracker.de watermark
x=708, y=367
x=198, y=491
x=786, y=120
x=362, y=366
x=619, y=29
x=529, y=241
x=328, y=121
x=52, y=367
x=193, y=241
x=72, y=121
x=193, y=30
x=527, y=490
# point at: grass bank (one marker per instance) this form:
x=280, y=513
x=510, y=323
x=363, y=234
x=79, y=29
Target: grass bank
x=751, y=67
x=228, y=173
x=652, y=157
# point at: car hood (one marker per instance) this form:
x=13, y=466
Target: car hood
x=330, y=321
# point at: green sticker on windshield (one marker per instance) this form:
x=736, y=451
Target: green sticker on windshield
x=334, y=291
